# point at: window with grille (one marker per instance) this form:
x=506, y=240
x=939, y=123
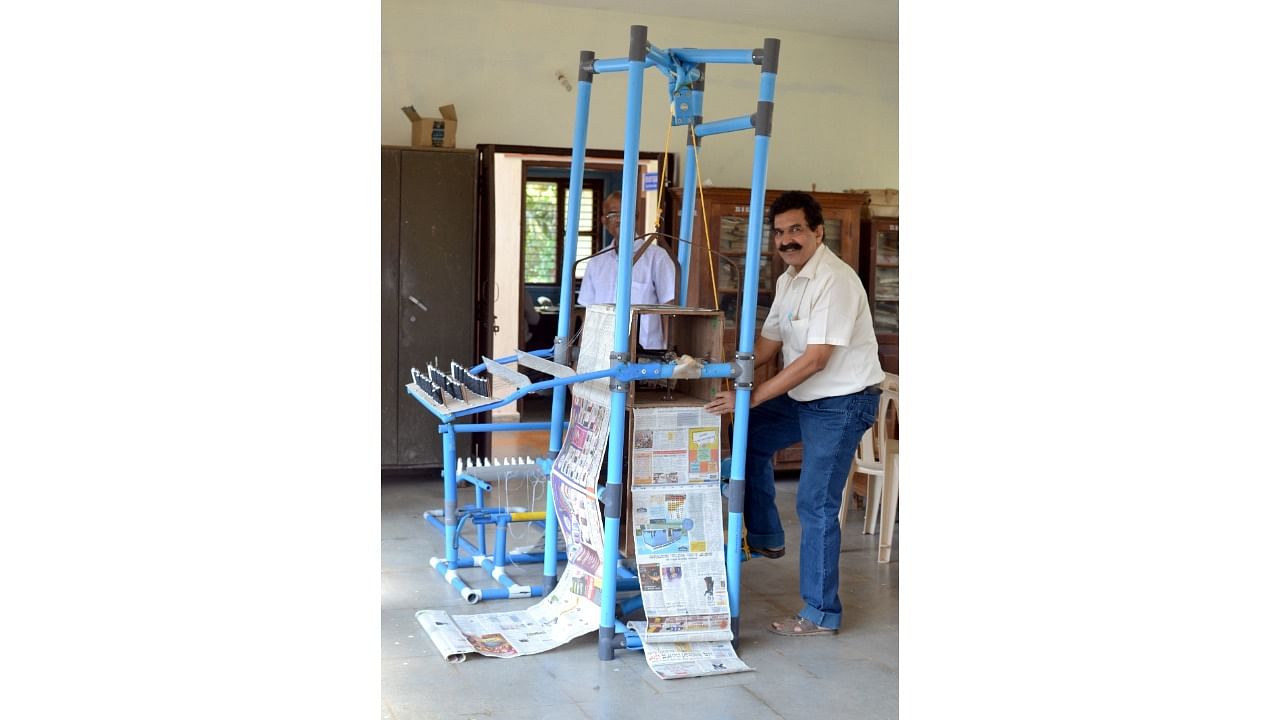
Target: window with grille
x=545, y=205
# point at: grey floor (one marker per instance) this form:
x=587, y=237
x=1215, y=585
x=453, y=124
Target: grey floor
x=853, y=674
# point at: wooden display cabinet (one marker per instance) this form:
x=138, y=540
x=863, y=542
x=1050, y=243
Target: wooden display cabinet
x=880, y=258
x=727, y=215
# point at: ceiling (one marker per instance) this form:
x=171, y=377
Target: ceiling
x=859, y=19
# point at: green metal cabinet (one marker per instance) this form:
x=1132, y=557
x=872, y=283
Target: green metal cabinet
x=428, y=289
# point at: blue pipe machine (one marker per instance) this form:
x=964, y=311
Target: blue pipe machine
x=450, y=398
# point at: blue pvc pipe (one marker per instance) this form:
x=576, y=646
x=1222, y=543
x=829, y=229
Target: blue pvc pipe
x=611, y=65
x=467, y=562
x=564, y=327
x=450, y=443
x=686, y=218
x=746, y=340
x=716, y=127
x=631, y=604
x=627, y=224
x=724, y=57
x=478, y=521
x=621, y=339
x=657, y=57
x=491, y=427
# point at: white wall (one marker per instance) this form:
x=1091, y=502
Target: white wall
x=835, y=121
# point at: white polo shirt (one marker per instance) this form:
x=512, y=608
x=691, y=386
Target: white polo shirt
x=824, y=303
x=653, y=282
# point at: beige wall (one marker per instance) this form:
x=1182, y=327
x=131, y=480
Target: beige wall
x=835, y=122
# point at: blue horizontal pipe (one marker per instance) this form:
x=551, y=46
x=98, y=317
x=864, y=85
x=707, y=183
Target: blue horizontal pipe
x=659, y=58
x=500, y=427
x=715, y=127
x=630, y=640
x=662, y=371
x=728, y=57
x=502, y=593
x=611, y=65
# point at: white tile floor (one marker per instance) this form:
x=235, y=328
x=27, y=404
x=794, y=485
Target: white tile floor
x=853, y=674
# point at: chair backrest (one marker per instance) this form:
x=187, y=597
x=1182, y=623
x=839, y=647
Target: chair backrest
x=871, y=449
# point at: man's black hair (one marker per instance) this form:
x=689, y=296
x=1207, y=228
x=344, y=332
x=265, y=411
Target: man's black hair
x=796, y=200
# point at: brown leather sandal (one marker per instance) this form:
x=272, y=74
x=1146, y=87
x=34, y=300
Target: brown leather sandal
x=796, y=626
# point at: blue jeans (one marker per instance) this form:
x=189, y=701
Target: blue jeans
x=831, y=429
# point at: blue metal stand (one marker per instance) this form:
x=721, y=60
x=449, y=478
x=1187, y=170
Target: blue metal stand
x=451, y=519
x=685, y=69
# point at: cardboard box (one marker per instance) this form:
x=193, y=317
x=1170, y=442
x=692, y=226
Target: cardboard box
x=695, y=332
x=438, y=132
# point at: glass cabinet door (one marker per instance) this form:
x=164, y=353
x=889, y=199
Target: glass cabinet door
x=731, y=269
x=884, y=304
x=832, y=234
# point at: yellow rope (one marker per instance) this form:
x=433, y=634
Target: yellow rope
x=662, y=181
x=711, y=267
x=706, y=231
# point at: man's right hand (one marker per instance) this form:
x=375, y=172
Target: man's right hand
x=722, y=403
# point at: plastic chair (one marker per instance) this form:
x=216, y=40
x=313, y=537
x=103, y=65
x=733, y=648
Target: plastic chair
x=876, y=457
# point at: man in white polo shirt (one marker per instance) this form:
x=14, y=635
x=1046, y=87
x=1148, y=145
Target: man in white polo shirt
x=826, y=394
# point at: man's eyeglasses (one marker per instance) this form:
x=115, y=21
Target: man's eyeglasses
x=612, y=215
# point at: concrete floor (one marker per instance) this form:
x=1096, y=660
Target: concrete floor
x=853, y=674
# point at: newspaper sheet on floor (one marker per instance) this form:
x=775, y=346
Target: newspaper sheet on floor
x=573, y=607
x=679, y=539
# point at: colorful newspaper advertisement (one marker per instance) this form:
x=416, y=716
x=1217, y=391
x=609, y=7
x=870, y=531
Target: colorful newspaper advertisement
x=572, y=608
x=676, y=518
x=675, y=445
x=584, y=444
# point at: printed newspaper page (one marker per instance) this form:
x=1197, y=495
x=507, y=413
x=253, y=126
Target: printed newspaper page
x=573, y=607
x=584, y=447
x=675, y=445
x=677, y=520
x=682, y=659
x=593, y=353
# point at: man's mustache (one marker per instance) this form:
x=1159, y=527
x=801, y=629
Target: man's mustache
x=789, y=247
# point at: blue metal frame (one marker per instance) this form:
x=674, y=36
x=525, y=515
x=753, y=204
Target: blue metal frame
x=685, y=69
